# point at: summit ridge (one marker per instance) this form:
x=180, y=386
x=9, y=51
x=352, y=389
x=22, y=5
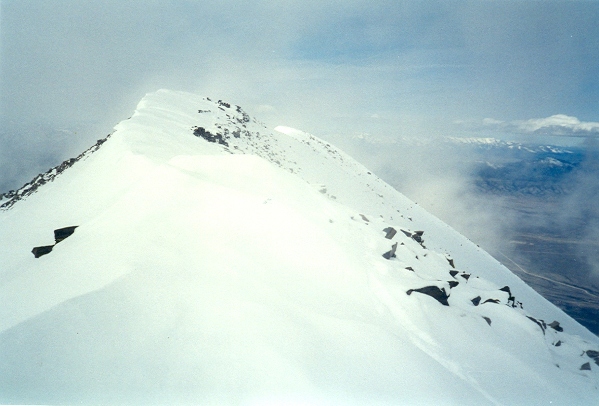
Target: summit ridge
x=218, y=261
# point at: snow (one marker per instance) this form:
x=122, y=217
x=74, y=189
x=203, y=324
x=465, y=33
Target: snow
x=252, y=273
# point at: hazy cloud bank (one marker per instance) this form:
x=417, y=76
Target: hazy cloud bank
x=555, y=125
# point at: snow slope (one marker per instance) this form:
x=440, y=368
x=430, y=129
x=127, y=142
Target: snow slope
x=246, y=266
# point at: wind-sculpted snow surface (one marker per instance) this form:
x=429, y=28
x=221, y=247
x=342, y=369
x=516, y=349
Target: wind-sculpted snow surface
x=218, y=262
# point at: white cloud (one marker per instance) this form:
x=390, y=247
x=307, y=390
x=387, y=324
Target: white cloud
x=558, y=122
x=557, y=125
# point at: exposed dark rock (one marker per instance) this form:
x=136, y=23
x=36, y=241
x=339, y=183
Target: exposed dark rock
x=558, y=344
x=594, y=355
x=585, y=367
x=208, y=136
x=39, y=251
x=390, y=232
x=417, y=236
x=453, y=273
x=476, y=301
x=223, y=104
x=364, y=218
x=390, y=254
x=496, y=301
x=451, y=263
x=465, y=276
x=433, y=291
x=407, y=233
x=510, y=298
x=540, y=323
x=62, y=233
x=453, y=284
x=409, y=268
x=31, y=187
x=555, y=325
x=488, y=320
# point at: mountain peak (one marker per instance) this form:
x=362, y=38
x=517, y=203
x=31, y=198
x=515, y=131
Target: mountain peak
x=197, y=256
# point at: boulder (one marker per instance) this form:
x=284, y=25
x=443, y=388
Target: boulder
x=390, y=232
x=555, y=325
x=594, y=355
x=407, y=233
x=510, y=298
x=390, y=254
x=62, y=233
x=39, y=251
x=435, y=292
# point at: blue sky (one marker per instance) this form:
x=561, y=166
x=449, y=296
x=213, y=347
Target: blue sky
x=70, y=70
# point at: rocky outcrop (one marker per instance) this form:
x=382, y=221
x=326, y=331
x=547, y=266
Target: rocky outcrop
x=390, y=254
x=210, y=137
x=60, y=234
x=390, y=232
x=31, y=187
x=435, y=292
x=594, y=355
x=43, y=250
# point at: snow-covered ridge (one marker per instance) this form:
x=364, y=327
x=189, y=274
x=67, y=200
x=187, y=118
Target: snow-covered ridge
x=217, y=261
x=8, y=199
